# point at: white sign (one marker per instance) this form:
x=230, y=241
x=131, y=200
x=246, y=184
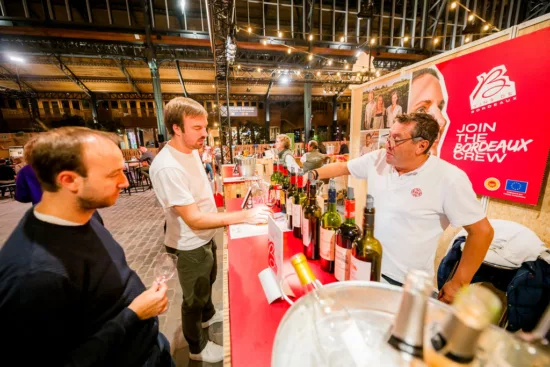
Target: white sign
x=240, y=111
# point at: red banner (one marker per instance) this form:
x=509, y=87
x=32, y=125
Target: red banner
x=494, y=115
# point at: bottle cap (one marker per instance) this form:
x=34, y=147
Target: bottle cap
x=351, y=194
x=370, y=202
x=299, y=262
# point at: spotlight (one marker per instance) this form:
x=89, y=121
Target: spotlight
x=284, y=79
x=16, y=59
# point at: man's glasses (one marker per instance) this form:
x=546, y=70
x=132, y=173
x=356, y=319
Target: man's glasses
x=392, y=142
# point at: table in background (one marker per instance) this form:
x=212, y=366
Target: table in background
x=250, y=323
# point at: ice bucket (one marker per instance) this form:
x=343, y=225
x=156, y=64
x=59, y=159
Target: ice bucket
x=245, y=165
x=375, y=305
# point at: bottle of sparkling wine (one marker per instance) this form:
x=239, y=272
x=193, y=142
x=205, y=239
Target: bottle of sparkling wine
x=454, y=342
x=311, y=222
x=345, y=235
x=290, y=197
x=366, y=253
x=299, y=199
x=330, y=222
x=407, y=334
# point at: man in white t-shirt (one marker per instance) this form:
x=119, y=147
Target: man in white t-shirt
x=185, y=194
x=417, y=195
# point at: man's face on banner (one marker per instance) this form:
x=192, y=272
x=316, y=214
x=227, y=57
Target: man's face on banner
x=427, y=97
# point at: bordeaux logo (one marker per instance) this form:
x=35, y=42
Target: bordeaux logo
x=492, y=87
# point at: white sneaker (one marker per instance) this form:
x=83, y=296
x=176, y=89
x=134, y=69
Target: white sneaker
x=212, y=353
x=218, y=317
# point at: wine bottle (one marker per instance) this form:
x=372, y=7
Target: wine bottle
x=290, y=197
x=284, y=189
x=275, y=175
x=330, y=222
x=366, y=252
x=407, y=334
x=299, y=199
x=454, y=342
x=345, y=235
x=308, y=281
x=311, y=222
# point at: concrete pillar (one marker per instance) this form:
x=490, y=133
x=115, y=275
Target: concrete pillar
x=307, y=111
x=157, y=93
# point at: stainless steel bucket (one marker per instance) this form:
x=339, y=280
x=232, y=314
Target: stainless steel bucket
x=377, y=304
x=246, y=166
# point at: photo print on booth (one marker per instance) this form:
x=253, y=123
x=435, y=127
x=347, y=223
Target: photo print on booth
x=369, y=141
x=428, y=94
x=382, y=102
x=384, y=134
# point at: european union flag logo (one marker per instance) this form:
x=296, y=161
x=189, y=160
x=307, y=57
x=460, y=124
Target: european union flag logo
x=516, y=186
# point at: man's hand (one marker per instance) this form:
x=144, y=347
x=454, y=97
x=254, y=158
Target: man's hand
x=257, y=215
x=448, y=292
x=150, y=303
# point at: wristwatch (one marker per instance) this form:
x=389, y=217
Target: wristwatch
x=315, y=174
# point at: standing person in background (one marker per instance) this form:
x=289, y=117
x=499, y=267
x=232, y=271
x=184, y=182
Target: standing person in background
x=282, y=144
x=183, y=190
x=27, y=187
x=393, y=110
x=379, y=114
x=369, y=108
x=64, y=280
x=313, y=158
x=207, y=161
x=344, y=149
x=218, y=159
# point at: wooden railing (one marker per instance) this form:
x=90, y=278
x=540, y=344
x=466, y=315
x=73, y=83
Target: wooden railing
x=129, y=153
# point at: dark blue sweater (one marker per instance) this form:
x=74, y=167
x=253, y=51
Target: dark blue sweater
x=64, y=293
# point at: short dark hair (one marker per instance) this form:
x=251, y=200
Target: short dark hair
x=426, y=127
x=2, y=161
x=61, y=150
x=178, y=109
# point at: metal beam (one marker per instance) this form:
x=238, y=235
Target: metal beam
x=181, y=79
x=128, y=77
x=16, y=79
x=268, y=90
x=307, y=111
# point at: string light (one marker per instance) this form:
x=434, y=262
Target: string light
x=467, y=39
x=471, y=17
x=239, y=67
x=338, y=74
x=259, y=70
x=377, y=73
x=346, y=66
x=453, y=5
x=436, y=41
x=249, y=29
x=310, y=57
x=310, y=37
x=329, y=62
x=405, y=39
x=264, y=42
x=280, y=34
x=318, y=73
x=358, y=75
x=213, y=86
x=373, y=41
x=486, y=28
x=289, y=51
x=342, y=39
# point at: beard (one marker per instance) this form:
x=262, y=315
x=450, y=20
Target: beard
x=92, y=203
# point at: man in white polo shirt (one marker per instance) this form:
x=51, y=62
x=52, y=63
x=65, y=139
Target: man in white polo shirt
x=185, y=193
x=417, y=195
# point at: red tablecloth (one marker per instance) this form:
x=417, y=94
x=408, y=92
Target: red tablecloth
x=252, y=320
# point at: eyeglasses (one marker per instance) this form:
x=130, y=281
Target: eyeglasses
x=392, y=142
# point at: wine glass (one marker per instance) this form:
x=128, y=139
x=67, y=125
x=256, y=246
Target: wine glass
x=165, y=267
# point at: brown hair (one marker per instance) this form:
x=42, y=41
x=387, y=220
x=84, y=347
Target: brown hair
x=178, y=109
x=426, y=127
x=61, y=150
x=27, y=150
x=313, y=144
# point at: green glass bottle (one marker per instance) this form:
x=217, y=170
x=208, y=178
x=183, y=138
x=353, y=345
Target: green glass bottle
x=290, y=197
x=299, y=200
x=345, y=235
x=311, y=223
x=366, y=253
x=330, y=222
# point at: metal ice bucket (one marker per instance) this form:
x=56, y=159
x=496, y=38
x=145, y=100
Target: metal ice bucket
x=246, y=166
x=380, y=302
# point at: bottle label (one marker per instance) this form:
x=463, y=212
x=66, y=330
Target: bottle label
x=349, y=209
x=306, y=234
x=327, y=243
x=296, y=215
x=289, y=206
x=359, y=270
x=283, y=196
x=342, y=263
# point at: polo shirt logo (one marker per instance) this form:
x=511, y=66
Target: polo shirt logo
x=416, y=192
